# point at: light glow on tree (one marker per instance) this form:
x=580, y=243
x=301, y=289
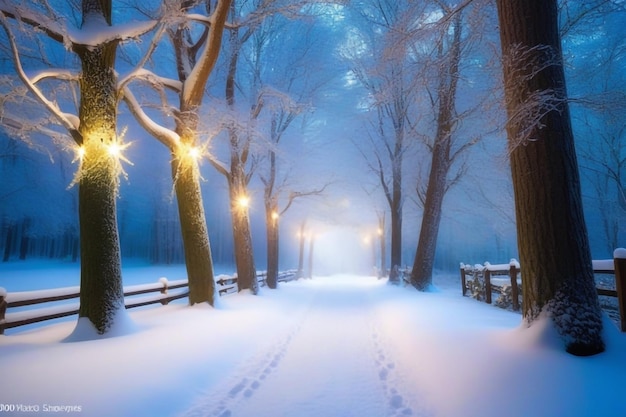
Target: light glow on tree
x=97, y=158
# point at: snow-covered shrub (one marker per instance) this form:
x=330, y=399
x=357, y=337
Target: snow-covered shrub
x=476, y=285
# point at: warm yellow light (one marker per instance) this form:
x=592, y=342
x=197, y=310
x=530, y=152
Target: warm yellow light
x=243, y=201
x=380, y=231
x=195, y=152
x=274, y=215
x=114, y=149
x=81, y=152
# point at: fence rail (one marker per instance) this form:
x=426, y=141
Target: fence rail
x=487, y=272
x=163, y=291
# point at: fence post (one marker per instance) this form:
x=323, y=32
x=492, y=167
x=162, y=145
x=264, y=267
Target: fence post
x=3, y=308
x=619, y=262
x=487, y=276
x=463, y=282
x=514, y=289
x=164, y=281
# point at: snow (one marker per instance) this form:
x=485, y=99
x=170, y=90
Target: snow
x=619, y=253
x=340, y=345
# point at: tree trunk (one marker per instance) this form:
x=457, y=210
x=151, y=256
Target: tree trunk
x=422, y=272
x=8, y=242
x=383, y=248
x=395, y=256
x=552, y=236
x=301, y=239
x=311, y=250
x=101, y=290
x=24, y=240
x=271, y=221
x=244, y=255
x=197, y=250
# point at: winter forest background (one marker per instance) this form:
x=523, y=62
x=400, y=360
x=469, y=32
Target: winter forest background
x=325, y=71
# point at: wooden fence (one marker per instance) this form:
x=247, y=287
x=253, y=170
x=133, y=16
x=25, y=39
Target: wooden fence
x=163, y=291
x=487, y=273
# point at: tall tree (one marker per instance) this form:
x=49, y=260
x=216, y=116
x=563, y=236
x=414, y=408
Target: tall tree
x=94, y=131
x=445, y=147
x=291, y=74
x=195, y=60
x=384, y=72
x=552, y=236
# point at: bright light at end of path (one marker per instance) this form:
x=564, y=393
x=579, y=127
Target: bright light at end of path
x=342, y=250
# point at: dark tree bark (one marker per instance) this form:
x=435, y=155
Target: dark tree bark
x=395, y=206
x=236, y=175
x=441, y=162
x=383, y=247
x=552, y=236
x=8, y=242
x=101, y=290
x=271, y=221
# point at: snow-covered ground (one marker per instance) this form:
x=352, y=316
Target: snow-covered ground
x=333, y=346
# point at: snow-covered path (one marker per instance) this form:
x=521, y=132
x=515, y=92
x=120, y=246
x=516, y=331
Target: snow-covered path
x=332, y=361
x=335, y=346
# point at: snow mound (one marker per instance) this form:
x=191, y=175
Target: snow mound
x=123, y=325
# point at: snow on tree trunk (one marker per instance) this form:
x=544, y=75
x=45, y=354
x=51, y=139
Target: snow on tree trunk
x=101, y=291
x=552, y=237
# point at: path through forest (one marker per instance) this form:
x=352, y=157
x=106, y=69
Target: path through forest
x=332, y=360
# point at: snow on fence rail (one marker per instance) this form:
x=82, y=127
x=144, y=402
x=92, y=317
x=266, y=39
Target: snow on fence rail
x=484, y=279
x=163, y=291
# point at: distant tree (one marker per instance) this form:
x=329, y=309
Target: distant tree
x=245, y=97
x=595, y=52
x=195, y=59
x=382, y=65
x=552, y=236
x=292, y=76
x=94, y=131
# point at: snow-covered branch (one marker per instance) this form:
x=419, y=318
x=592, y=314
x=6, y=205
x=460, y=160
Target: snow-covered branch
x=94, y=32
x=154, y=80
x=164, y=135
x=70, y=122
x=218, y=165
x=193, y=89
x=53, y=28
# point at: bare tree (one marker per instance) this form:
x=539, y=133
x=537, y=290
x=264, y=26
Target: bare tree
x=195, y=60
x=94, y=132
x=552, y=236
x=247, y=21
x=446, y=147
x=385, y=74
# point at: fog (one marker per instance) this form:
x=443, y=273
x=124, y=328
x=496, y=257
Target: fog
x=329, y=145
